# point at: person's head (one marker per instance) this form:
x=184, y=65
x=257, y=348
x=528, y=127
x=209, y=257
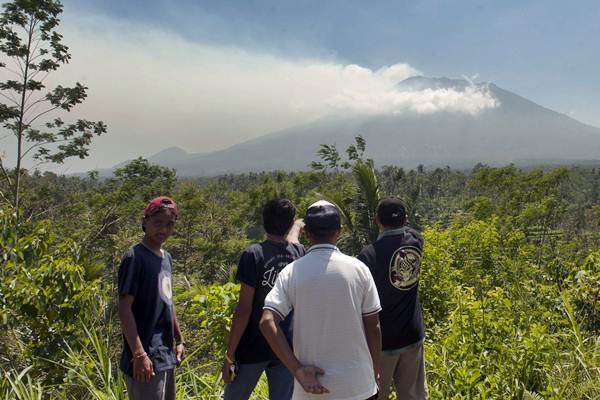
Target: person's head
x=323, y=223
x=391, y=213
x=159, y=219
x=278, y=216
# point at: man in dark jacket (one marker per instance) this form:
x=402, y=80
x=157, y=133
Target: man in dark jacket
x=394, y=260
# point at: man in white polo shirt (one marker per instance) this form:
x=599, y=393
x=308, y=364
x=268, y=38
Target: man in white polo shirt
x=336, y=335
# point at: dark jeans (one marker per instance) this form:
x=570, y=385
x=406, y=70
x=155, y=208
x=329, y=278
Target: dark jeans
x=280, y=380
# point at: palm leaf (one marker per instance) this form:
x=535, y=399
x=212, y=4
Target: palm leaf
x=368, y=195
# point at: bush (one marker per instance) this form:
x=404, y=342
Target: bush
x=46, y=290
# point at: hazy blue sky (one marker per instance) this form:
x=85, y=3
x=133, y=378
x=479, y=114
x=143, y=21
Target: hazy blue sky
x=206, y=74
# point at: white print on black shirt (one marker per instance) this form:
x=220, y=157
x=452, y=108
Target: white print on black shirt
x=272, y=268
x=164, y=286
x=404, y=267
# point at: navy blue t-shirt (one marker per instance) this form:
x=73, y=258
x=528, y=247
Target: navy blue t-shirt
x=258, y=267
x=395, y=260
x=147, y=277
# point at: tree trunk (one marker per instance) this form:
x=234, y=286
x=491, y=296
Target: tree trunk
x=21, y=128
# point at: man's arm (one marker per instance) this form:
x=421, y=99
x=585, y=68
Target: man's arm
x=180, y=343
x=241, y=316
x=305, y=375
x=143, y=370
x=293, y=236
x=373, y=336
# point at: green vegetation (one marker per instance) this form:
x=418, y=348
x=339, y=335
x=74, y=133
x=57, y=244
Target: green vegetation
x=510, y=285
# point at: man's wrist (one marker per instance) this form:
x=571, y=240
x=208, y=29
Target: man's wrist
x=229, y=359
x=139, y=355
x=297, y=368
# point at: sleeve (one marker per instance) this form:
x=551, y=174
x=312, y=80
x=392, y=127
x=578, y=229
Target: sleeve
x=129, y=275
x=280, y=298
x=370, y=301
x=301, y=249
x=365, y=257
x=246, y=270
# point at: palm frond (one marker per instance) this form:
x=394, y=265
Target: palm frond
x=368, y=198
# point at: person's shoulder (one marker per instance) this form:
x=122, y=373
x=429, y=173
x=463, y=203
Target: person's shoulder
x=363, y=273
x=413, y=235
x=131, y=252
x=128, y=254
x=299, y=248
x=367, y=250
x=353, y=261
x=254, y=248
x=413, y=231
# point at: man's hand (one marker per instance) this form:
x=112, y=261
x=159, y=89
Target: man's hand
x=180, y=353
x=143, y=370
x=299, y=224
x=226, y=372
x=307, y=378
x=378, y=377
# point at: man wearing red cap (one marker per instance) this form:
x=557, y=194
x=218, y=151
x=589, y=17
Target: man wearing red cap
x=148, y=320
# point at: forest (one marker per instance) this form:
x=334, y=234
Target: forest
x=510, y=281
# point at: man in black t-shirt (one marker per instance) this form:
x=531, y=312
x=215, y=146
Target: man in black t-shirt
x=394, y=260
x=148, y=320
x=248, y=353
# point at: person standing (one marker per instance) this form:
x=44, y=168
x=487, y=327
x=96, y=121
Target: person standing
x=248, y=355
x=148, y=320
x=394, y=260
x=336, y=340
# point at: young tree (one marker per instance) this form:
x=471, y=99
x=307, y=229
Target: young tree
x=31, y=50
x=358, y=209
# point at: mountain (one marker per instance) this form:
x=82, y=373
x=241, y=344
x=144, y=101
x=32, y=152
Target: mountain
x=516, y=130
x=166, y=157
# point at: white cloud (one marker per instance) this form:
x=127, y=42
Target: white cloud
x=155, y=90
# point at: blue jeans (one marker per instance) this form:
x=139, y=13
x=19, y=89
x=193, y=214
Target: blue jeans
x=279, y=379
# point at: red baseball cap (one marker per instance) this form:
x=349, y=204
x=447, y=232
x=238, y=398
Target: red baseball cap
x=159, y=203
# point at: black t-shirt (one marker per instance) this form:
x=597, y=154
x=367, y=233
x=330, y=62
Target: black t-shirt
x=147, y=277
x=394, y=260
x=258, y=267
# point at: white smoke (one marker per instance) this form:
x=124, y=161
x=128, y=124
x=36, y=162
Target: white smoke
x=376, y=92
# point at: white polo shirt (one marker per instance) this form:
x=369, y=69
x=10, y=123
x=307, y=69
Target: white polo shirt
x=329, y=292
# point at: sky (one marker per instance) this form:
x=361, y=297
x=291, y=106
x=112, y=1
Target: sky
x=204, y=75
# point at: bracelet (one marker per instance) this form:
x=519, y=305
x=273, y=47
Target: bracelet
x=138, y=356
x=229, y=360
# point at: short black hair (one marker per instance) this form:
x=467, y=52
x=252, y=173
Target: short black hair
x=391, y=212
x=278, y=216
x=321, y=235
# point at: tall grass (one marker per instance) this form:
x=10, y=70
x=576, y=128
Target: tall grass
x=20, y=386
x=90, y=371
x=90, y=374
